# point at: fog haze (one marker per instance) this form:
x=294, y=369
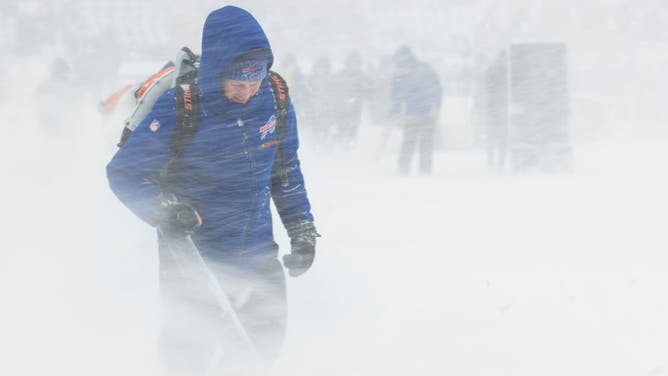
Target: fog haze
x=557, y=268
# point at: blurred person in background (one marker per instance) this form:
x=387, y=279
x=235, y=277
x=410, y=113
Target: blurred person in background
x=55, y=97
x=350, y=88
x=60, y=107
x=319, y=110
x=416, y=96
x=379, y=98
x=214, y=186
x=294, y=76
x=379, y=102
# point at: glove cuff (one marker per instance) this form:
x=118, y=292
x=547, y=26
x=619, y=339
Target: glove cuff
x=301, y=228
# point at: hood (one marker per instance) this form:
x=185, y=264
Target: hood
x=229, y=32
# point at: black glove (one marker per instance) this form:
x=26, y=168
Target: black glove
x=302, y=239
x=176, y=217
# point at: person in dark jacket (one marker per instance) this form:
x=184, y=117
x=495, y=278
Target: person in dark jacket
x=416, y=101
x=320, y=109
x=350, y=87
x=217, y=189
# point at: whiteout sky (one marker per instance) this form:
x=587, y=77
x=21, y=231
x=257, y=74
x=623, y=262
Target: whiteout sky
x=462, y=272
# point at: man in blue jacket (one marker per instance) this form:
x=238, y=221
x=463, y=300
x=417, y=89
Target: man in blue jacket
x=416, y=99
x=217, y=188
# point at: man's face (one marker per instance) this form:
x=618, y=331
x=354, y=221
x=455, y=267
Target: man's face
x=240, y=91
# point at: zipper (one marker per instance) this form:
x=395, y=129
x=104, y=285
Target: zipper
x=250, y=156
x=251, y=159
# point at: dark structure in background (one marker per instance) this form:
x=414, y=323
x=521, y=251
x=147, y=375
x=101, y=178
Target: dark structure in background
x=539, y=107
x=527, y=110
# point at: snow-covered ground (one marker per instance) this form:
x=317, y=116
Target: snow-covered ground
x=458, y=273
x=465, y=273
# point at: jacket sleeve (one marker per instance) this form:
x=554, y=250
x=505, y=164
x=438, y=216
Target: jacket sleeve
x=291, y=200
x=134, y=171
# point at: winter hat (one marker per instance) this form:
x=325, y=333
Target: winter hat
x=250, y=69
x=404, y=56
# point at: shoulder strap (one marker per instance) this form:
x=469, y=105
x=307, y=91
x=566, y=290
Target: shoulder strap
x=280, y=90
x=187, y=103
x=187, y=115
x=186, y=95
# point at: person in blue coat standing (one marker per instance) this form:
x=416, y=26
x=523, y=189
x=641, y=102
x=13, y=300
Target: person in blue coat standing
x=217, y=189
x=416, y=97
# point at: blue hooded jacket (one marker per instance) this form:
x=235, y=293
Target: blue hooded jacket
x=226, y=171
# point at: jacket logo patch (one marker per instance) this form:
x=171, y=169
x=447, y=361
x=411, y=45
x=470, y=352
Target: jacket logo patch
x=155, y=124
x=270, y=127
